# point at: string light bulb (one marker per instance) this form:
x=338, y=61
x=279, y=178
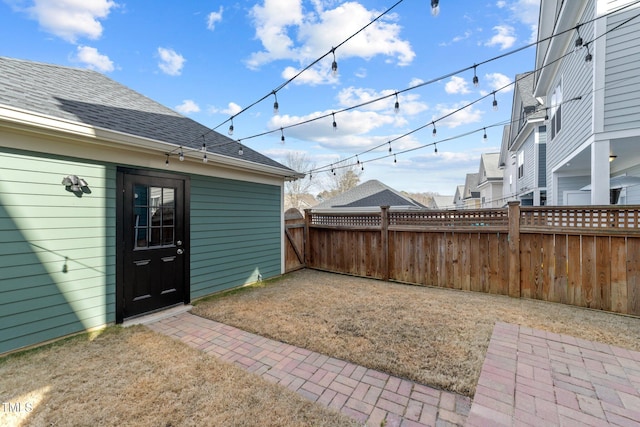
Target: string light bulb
x=240, y=150
x=579, y=41
x=546, y=114
x=484, y=137
x=435, y=132
x=396, y=107
x=435, y=150
x=334, y=64
x=281, y=136
x=395, y=161
x=588, y=57
x=204, y=145
x=357, y=160
x=204, y=158
x=335, y=125
x=476, y=81
x=181, y=155
x=276, y=106
x=390, y=150
x=231, y=127
x=166, y=162
x=435, y=7
x=495, y=102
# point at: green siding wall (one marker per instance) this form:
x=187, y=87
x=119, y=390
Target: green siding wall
x=57, y=250
x=235, y=233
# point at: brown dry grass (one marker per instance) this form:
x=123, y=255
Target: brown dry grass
x=134, y=376
x=433, y=336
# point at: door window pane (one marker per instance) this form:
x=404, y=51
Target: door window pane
x=154, y=211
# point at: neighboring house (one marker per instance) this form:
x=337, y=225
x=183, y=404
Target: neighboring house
x=523, y=154
x=471, y=194
x=299, y=201
x=97, y=228
x=458, y=197
x=591, y=98
x=490, y=181
x=368, y=197
x=441, y=202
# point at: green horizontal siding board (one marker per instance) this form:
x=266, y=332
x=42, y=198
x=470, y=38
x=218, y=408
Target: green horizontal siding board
x=46, y=227
x=235, y=233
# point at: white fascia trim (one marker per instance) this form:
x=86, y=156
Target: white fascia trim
x=40, y=123
x=558, y=45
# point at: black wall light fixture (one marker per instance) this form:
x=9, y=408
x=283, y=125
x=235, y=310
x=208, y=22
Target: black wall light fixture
x=76, y=185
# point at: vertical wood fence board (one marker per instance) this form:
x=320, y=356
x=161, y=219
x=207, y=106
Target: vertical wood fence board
x=591, y=298
x=526, y=272
x=548, y=267
x=464, y=262
x=475, y=265
x=633, y=276
x=618, y=274
x=603, y=267
x=574, y=276
x=504, y=268
x=494, y=263
x=559, y=284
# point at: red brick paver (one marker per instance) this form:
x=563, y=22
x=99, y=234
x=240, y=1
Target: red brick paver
x=532, y=377
x=369, y=396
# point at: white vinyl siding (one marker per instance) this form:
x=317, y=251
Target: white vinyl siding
x=622, y=73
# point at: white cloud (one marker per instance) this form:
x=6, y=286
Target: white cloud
x=188, y=106
x=93, y=59
x=171, y=62
x=409, y=103
x=456, y=85
x=213, y=18
x=415, y=82
x=69, y=19
x=231, y=110
x=498, y=81
x=313, y=76
x=504, y=37
x=352, y=127
x=286, y=31
x=457, y=118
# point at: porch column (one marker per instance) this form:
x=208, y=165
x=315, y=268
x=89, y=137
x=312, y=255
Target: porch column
x=600, y=172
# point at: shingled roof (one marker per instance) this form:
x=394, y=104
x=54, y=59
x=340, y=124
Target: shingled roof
x=88, y=97
x=370, y=194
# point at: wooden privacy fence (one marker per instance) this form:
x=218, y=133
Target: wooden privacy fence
x=583, y=256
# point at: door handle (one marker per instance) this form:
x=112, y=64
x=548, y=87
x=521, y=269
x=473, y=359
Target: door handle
x=180, y=251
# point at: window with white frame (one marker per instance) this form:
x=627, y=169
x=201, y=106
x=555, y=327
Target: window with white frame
x=520, y=164
x=556, y=110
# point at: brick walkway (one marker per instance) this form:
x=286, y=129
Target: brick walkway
x=532, y=378
x=369, y=396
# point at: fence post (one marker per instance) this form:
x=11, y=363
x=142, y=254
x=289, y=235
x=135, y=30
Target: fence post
x=384, y=241
x=306, y=241
x=514, y=249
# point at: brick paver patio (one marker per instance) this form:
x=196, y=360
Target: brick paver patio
x=532, y=378
x=529, y=378
x=369, y=396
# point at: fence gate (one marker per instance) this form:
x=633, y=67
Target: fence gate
x=294, y=241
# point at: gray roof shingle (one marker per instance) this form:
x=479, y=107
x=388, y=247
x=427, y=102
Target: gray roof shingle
x=371, y=193
x=86, y=96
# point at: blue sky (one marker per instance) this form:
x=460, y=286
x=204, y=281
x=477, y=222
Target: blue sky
x=211, y=59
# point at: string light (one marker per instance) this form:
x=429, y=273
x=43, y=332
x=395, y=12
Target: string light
x=394, y=159
x=240, y=150
x=390, y=147
x=588, y=57
x=579, y=41
x=546, y=114
x=166, y=162
x=396, y=107
x=276, y=107
x=181, y=155
x=335, y=125
x=357, y=160
x=435, y=7
x=495, y=102
x=334, y=64
x=435, y=132
x=281, y=136
x=204, y=158
x=476, y=82
x=484, y=137
x=435, y=145
x=231, y=127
